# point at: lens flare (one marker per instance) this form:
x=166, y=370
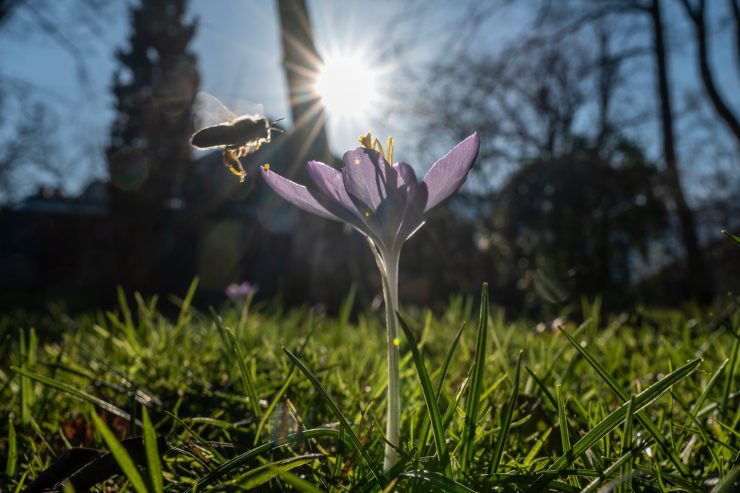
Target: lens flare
x=347, y=86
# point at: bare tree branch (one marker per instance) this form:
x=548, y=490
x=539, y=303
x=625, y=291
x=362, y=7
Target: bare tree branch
x=7, y=7
x=52, y=31
x=697, y=14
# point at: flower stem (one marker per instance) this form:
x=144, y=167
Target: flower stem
x=388, y=267
x=393, y=425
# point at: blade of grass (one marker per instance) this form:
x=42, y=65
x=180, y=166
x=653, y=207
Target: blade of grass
x=26, y=394
x=258, y=476
x=641, y=401
x=338, y=413
x=536, y=448
x=201, y=442
x=12, y=460
x=545, y=392
x=453, y=405
x=120, y=454
x=437, y=480
x=185, y=306
x=562, y=419
x=241, y=459
x=643, y=472
x=735, y=239
x=564, y=431
x=152, y=454
x=730, y=373
x=236, y=349
x=696, y=406
x=701, y=429
x=476, y=384
x=127, y=325
x=498, y=449
x=609, y=471
x=299, y=484
x=643, y=418
x=271, y=407
x=424, y=434
x=430, y=398
x=627, y=446
x=729, y=483
x=80, y=394
x=21, y=483
x=344, y=313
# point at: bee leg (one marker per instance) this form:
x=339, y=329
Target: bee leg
x=231, y=161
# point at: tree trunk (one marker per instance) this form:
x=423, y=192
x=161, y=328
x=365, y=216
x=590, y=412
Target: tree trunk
x=301, y=62
x=699, y=284
x=308, y=138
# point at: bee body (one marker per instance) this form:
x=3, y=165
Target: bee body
x=244, y=131
x=238, y=136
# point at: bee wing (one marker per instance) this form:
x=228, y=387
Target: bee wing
x=210, y=111
x=243, y=107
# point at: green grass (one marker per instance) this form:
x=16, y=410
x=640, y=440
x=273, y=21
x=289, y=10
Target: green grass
x=257, y=397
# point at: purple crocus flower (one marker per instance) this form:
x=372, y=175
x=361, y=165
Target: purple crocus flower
x=385, y=202
x=242, y=290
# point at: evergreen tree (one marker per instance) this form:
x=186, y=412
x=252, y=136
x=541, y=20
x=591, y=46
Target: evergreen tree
x=149, y=154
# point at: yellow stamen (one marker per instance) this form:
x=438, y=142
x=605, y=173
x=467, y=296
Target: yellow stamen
x=396, y=342
x=266, y=166
x=368, y=142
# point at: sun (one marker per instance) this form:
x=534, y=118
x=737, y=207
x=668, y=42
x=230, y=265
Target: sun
x=347, y=87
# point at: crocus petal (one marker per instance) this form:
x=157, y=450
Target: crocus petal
x=367, y=178
x=330, y=182
x=416, y=199
x=406, y=172
x=298, y=195
x=449, y=173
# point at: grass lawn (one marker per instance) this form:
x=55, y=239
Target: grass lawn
x=258, y=397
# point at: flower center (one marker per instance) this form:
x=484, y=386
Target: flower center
x=368, y=142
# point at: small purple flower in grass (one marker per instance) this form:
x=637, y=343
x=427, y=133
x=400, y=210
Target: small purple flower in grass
x=388, y=204
x=236, y=291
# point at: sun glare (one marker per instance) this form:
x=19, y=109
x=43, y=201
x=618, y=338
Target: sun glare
x=347, y=87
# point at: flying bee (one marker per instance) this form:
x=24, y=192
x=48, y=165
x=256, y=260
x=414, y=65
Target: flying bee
x=237, y=136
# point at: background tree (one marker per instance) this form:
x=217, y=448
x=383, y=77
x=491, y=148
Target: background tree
x=149, y=151
x=582, y=221
x=29, y=122
x=582, y=80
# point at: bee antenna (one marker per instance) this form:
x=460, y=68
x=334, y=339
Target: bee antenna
x=277, y=129
x=278, y=120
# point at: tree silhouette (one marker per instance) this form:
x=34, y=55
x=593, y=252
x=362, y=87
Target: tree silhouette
x=149, y=153
x=580, y=219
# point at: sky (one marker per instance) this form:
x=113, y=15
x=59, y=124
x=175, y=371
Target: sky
x=239, y=57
